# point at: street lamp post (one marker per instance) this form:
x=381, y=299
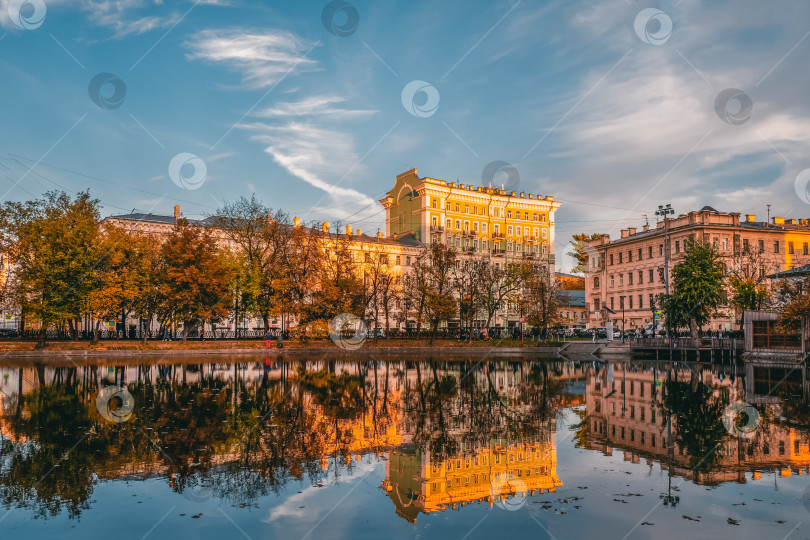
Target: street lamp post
x=621, y=299
x=665, y=211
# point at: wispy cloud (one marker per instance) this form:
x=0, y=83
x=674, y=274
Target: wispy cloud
x=262, y=56
x=322, y=106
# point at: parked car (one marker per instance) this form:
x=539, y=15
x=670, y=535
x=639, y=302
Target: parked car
x=9, y=332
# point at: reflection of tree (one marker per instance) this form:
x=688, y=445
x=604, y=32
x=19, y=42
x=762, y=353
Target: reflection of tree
x=242, y=432
x=698, y=422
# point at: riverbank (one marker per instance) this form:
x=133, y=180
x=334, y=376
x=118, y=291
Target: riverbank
x=256, y=348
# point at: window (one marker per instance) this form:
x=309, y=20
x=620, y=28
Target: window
x=724, y=243
x=456, y=207
x=495, y=212
x=611, y=303
x=629, y=278
x=433, y=204
x=509, y=230
x=660, y=250
x=651, y=277
x=611, y=258
x=776, y=246
x=640, y=302
x=804, y=249
x=545, y=233
x=761, y=246
x=677, y=246
x=484, y=227
x=509, y=214
x=631, y=302
x=652, y=439
x=621, y=280
x=649, y=252
x=640, y=277
x=622, y=432
x=408, y=260
x=643, y=410
x=458, y=224
x=596, y=304
x=612, y=283
x=449, y=223
x=745, y=245
x=790, y=248
x=642, y=437
x=466, y=209
x=620, y=257
x=652, y=301
x=630, y=256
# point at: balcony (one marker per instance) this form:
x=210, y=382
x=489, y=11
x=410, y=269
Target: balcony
x=498, y=236
x=468, y=234
x=469, y=249
x=529, y=255
x=436, y=229
x=498, y=253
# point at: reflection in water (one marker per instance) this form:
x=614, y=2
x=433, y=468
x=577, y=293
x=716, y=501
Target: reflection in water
x=453, y=432
x=674, y=414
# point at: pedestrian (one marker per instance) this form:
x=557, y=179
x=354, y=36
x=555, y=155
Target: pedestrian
x=268, y=338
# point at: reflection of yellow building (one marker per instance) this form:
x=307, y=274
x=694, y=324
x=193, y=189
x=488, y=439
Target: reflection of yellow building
x=417, y=484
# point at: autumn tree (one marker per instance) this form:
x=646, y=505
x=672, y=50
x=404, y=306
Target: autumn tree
x=439, y=262
x=53, y=244
x=579, y=245
x=149, y=276
x=538, y=300
x=197, y=279
x=500, y=283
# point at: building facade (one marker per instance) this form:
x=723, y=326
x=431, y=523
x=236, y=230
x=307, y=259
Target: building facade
x=625, y=276
x=479, y=221
x=476, y=221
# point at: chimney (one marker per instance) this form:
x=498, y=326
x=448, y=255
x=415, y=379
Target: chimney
x=380, y=234
x=632, y=230
x=358, y=232
x=325, y=227
x=778, y=220
x=750, y=218
x=176, y=211
x=348, y=230
x=645, y=228
x=625, y=233
x=296, y=222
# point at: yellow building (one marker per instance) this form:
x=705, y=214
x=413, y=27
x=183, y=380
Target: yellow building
x=482, y=221
x=417, y=484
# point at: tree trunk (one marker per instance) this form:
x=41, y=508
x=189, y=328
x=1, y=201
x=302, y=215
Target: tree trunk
x=94, y=339
x=42, y=337
x=185, y=331
x=435, y=324
x=693, y=328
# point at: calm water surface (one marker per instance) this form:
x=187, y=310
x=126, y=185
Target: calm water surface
x=404, y=448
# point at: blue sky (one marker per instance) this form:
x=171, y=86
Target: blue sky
x=609, y=120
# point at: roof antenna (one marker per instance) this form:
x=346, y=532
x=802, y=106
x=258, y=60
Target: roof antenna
x=769, y=215
x=646, y=220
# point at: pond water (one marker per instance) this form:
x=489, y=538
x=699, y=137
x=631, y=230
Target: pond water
x=403, y=447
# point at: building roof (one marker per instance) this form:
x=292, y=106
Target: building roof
x=407, y=239
x=571, y=298
x=799, y=271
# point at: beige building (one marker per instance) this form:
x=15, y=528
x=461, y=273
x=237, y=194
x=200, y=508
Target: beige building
x=627, y=274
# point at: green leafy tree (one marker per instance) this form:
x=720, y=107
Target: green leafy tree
x=698, y=288
x=747, y=294
x=439, y=265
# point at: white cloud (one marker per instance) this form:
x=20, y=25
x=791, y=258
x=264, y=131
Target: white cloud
x=316, y=106
x=263, y=57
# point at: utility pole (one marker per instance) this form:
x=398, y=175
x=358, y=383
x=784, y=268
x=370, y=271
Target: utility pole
x=665, y=211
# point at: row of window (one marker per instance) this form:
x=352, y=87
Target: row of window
x=496, y=228
x=630, y=275
x=496, y=212
x=475, y=244
x=721, y=244
x=436, y=487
